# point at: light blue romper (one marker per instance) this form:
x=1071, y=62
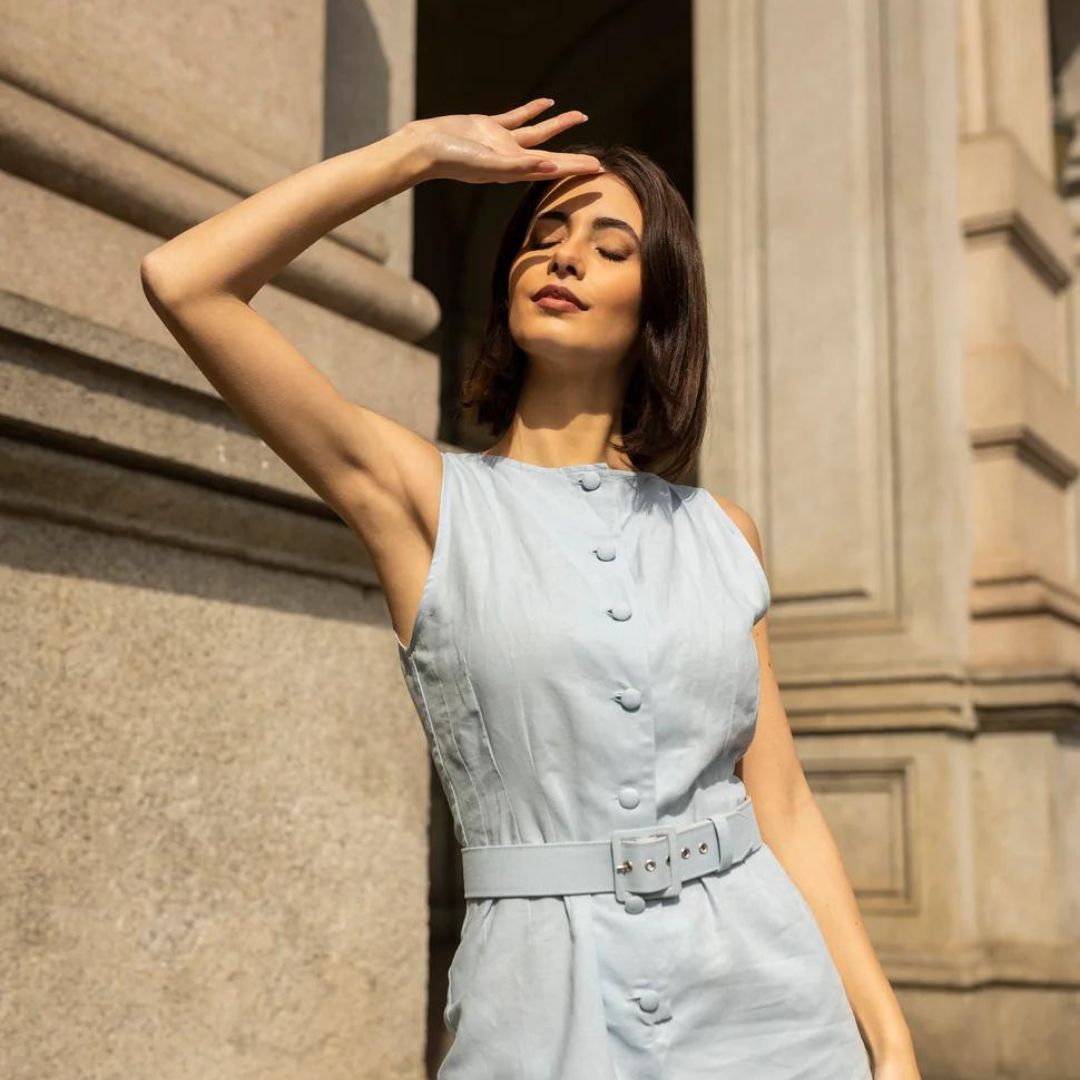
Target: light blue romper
x=582, y=661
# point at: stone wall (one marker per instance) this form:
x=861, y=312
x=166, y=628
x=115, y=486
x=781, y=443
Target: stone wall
x=213, y=790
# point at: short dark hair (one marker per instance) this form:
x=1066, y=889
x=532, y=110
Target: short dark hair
x=665, y=406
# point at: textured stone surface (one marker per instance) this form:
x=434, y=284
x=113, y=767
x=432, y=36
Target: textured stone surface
x=896, y=348
x=212, y=817
x=214, y=794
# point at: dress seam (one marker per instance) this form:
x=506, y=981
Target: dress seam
x=491, y=755
x=449, y=713
x=418, y=679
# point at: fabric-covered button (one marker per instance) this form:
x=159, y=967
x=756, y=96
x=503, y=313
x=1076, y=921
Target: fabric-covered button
x=590, y=479
x=620, y=611
x=630, y=698
x=605, y=551
x=654, y=1007
x=635, y=904
x=629, y=798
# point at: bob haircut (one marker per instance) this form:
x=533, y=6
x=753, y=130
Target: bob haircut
x=664, y=409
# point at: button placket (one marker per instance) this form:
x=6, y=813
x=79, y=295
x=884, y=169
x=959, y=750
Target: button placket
x=619, y=610
x=635, y=798
x=610, y=497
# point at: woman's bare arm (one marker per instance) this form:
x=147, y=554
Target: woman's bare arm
x=793, y=825
x=380, y=477
x=200, y=282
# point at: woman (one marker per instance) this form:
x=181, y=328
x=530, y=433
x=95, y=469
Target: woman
x=651, y=888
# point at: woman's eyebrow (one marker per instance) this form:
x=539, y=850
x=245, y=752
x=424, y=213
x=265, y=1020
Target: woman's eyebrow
x=598, y=223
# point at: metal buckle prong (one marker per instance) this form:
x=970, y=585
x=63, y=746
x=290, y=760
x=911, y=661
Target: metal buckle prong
x=669, y=881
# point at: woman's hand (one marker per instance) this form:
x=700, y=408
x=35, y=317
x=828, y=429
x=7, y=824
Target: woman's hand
x=479, y=149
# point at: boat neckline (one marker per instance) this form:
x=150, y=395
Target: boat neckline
x=602, y=466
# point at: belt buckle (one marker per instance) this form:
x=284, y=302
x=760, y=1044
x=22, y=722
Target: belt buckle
x=626, y=879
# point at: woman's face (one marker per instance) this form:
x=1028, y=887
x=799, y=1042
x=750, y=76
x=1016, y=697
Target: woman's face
x=584, y=236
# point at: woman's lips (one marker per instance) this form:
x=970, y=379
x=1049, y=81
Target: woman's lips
x=556, y=303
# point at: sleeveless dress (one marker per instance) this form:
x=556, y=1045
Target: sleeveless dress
x=582, y=661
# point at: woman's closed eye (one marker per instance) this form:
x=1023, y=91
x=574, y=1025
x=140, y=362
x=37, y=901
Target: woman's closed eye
x=613, y=255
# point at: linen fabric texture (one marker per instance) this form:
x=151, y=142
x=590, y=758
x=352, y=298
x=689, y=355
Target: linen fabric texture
x=582, y=661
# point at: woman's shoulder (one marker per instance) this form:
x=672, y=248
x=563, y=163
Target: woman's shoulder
x=742, y=519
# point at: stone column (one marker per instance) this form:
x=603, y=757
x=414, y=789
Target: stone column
x=1024, y=422
x=1067, y=72
x=213, y=789
x=897, y=454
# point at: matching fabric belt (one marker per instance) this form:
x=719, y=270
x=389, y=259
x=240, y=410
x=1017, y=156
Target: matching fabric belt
x=652, y=861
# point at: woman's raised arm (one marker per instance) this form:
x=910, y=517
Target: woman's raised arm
x=200, y=282
x=380, y=477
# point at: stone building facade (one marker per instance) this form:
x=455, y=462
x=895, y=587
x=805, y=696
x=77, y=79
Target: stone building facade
x=223, y=850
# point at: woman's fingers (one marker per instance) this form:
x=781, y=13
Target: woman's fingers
x=565, y=164
x=513, y=117
x=477, y=149
x=538, y=133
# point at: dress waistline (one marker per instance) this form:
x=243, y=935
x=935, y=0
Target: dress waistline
x=651, y=861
